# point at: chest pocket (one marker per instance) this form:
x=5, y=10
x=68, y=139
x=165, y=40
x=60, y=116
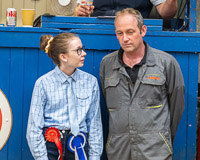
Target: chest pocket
x=83, y=99
x=113, y=94
x=152, y=89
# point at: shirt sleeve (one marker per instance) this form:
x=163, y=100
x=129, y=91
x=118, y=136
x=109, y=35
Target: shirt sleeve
x=94, y=126
x=79, y=1
x=157, y=2
x=34, y=133
x=176, y=93
x=101, y=73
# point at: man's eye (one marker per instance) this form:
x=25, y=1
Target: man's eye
x=119, y=33
x=130, y=32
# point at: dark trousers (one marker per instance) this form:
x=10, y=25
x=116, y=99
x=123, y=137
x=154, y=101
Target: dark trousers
x=52, y=150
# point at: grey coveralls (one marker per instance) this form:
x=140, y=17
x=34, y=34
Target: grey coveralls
x=143, y=119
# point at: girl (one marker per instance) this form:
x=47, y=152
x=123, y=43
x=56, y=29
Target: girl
x=64, y=118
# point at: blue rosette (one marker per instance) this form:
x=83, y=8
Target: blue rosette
x=76, y=145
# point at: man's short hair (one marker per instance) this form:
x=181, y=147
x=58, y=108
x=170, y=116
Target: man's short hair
x=135, y=13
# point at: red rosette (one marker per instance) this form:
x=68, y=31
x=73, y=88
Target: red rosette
x=52, y=135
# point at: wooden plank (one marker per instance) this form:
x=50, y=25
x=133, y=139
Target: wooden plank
x=20, y=37
x=16, y=102
x=100, y=39
x=87, y=20
x=29, y=37
x=154, y=28
x=76, y=19
x=4, y=85
x=181, y=135
x=76, y=25
x=30, y=76
x=192, y=105
x=19, y=40
x=22, y=30
x=89, y=26
x=5, y=4
x=18, y=5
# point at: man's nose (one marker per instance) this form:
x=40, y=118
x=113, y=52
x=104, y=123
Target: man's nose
x=125, y=37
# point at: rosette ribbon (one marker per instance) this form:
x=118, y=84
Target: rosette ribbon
x=76, y=145
x=52, y=135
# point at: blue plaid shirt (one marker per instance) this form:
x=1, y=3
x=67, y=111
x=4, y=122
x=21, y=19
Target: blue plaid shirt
x=49, y=108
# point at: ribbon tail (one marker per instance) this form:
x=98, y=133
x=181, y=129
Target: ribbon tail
x=81, y=153
x=84, y=152
x=76, y=155
x=59, y=146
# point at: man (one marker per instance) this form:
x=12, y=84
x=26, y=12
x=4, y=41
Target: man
x=166, y=8
x=144, y=92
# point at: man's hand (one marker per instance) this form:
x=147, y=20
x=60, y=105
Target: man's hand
x=84, y=9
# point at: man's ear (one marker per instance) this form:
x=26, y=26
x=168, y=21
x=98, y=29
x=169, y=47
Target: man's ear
x=143, y=30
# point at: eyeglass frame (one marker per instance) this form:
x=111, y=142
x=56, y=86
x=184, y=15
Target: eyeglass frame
x=79, y=51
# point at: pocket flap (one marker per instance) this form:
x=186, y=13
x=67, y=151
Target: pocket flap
x=153, y=79
x=82, y=96
x=111, y=82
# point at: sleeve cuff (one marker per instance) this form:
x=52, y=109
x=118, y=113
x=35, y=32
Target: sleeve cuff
x=157, y=2
x=94, y=158
x=42, y=158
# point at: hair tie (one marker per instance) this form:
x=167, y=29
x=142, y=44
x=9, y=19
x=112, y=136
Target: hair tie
x=48, y=45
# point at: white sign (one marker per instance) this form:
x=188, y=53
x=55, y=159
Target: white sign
x=64, y=2
x=5, y=119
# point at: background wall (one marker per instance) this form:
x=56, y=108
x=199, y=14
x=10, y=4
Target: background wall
x=41, y=6
x=198, y=15
x=198, y=29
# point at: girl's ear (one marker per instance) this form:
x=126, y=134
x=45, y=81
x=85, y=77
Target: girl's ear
x=63, y=57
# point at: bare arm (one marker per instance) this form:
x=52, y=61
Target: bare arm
x=167, y=9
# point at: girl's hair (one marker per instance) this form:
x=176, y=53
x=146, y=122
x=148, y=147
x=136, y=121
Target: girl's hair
x=54, y=46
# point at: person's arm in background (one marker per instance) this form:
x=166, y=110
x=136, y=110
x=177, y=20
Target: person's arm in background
x=167, y=9
x=83, y=10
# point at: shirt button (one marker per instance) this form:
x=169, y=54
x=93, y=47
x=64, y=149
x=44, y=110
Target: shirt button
x=132, y=139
